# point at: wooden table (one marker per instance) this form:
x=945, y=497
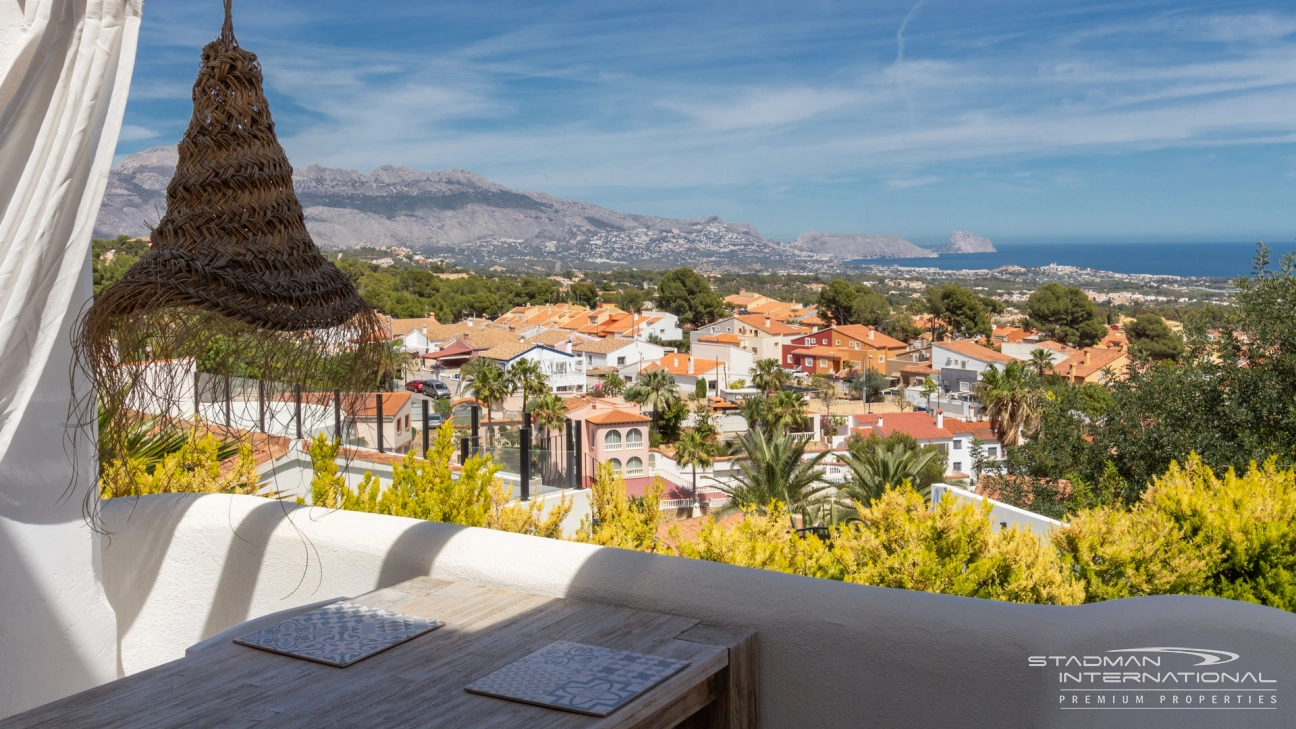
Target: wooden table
x=420, y=683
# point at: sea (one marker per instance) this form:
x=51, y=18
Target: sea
x=1189, y=260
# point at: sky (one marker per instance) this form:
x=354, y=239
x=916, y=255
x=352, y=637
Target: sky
x=1018, y=120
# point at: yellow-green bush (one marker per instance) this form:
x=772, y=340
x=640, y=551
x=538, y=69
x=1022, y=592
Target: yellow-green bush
x=901, y=542
x=195, y=467
x=1192, y=533
x=616, y=520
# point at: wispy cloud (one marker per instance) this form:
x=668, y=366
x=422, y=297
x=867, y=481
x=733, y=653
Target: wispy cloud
x=908, y=182
x=652, y=99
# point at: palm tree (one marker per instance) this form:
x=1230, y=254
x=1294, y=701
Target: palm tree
x=755, y=410
x=875, y=467
x=769, y=377
x=693, y=449
x=1012, y=401
x=491, y=387
x=771, y=470
x=527, y=378
x=548, y=412
x=787, y=409
x=1041, y=361
x=656, y=389
x=929, y=388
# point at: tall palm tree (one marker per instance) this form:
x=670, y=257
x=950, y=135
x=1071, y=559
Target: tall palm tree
x=787, y=409
x=548, y=412
x=876, y=466
x=1041, y=361
x=529, y=379
x=491, y=387
x=693, y=449
x=771, y=469
x=655, y=389
x=1012, y=401
x=769, y=377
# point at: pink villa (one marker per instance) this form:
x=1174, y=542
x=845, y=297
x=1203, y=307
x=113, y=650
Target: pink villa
x=614, y=431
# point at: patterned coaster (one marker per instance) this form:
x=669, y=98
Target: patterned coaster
x=582, y=678
x=339, y=634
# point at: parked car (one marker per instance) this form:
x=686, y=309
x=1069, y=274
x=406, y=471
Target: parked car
x=435, y=388
x=434, y=421
x=414, y=385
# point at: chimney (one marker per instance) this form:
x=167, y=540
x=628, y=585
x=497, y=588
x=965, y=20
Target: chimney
x=940, y=418
x=880, y=423
x=767, y=322
x=690, y=365
x=1086, y=358
x=676, y=362
x=567, y=346
x=871, y=333
x=470, y=322
x=425, y=331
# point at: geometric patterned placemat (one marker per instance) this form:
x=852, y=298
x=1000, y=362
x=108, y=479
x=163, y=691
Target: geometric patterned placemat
x=574, y=677
x=339, y=634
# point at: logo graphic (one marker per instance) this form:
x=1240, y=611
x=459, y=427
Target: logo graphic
x=1209, y=657
x=1160, y=677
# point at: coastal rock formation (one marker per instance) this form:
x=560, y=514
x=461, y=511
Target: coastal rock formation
x=848, y=246
x=962, y=241
x=462, y=216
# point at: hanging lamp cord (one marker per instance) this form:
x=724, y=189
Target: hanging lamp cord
x=227, y=30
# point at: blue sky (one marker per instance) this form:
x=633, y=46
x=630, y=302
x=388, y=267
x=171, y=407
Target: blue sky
x=1018, y=120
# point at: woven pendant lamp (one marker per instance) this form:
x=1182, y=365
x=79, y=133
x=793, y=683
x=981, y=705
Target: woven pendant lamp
x=232, y=280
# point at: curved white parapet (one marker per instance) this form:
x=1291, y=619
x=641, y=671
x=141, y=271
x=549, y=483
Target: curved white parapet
x=180, y=568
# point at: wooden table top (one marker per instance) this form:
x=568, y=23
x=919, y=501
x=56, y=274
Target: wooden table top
x=420, y=683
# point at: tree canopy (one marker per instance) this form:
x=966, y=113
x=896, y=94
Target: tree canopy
x=845, y=303
x=1150, y=337
x=687, y=295
x=964, y=312
x=1066, y=315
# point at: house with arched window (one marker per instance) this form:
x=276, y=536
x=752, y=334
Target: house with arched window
x=618, y=437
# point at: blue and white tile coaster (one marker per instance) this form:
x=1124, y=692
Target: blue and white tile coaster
x=582, y=678
x=339, y=634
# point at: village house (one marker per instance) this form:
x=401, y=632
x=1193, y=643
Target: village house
x=687, y=370
x=616, y=353
x=1094, y=364
x=840, y=348
x=762, y=336
x=613, y=431
x=412, y=333
x=564, y=371
x=960, y=364
x=727, y=349
x=954, y=437
x=1025, y=350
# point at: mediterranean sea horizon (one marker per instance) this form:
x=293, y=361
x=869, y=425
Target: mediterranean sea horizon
x=1190, y=260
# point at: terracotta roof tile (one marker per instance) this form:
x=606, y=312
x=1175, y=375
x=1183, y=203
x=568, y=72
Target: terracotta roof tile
x=972, y=350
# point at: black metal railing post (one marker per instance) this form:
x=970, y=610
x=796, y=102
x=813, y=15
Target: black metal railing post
x=476, y=427
x=381, y=449
x=197, y=391
x=570, y=450
x=229, y=399
x=463, y=450
x=297, y=410
x=261, y=405
x=427, y=420
x=578, y=453
x=524, y=441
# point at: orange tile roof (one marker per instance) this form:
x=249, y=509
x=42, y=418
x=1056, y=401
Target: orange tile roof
x=610, y=417
x=677, y=365
x=878, y=339
x=820, y=352
x=977, y=429
x=972, y=350
x=401, y=327
x=773, y=327
x=919, y=425
x=720, y=339
x=1097, y=359
x=603, y=346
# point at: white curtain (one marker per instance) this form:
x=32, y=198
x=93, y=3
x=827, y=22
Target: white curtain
x=65, y=69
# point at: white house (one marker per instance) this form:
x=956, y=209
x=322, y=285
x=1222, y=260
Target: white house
x=762, y=336
x=726, y=348
x=617, y=352
x=961, y=363
x=565, y=371
x=687, y=370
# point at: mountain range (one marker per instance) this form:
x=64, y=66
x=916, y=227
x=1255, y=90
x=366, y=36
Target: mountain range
x=461, y=216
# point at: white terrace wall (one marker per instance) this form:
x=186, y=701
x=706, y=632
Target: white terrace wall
x=180, y=568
